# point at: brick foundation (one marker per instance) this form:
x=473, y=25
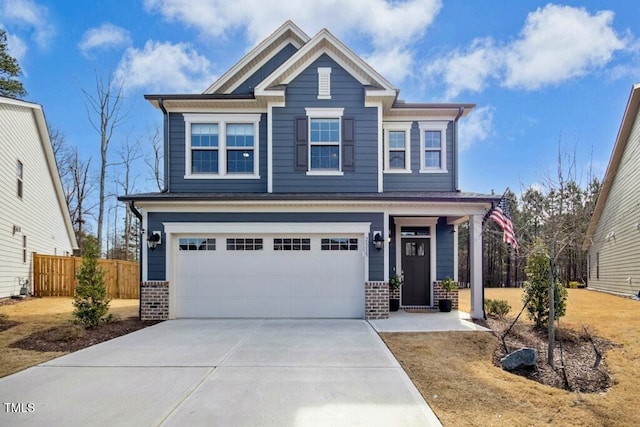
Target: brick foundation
x=439, y=294
x=154, y=301
x=376, y=300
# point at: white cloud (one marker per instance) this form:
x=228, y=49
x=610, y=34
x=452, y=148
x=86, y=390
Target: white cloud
x=556, y=44
x=164, y=67
x=394, y=64
x=559, y=43
x=17, y=47
x=390, y=27
x=476, y=127
x=103, y=37
x=31, y=15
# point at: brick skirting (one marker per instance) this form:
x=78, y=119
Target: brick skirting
x=154, y=301
x=439, y=294
x=376, y=300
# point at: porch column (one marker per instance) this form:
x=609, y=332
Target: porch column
x=475, y=266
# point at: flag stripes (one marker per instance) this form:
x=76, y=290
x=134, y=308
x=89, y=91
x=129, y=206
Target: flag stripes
x=501, y=218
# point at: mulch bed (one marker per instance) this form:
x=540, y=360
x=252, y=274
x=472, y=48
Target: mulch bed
x=71, y=337
x=577, y=356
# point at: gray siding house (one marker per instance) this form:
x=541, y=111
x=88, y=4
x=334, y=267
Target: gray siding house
x=613, y=236
x=297, y=184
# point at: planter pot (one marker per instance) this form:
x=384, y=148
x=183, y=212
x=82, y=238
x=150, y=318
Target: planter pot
x=445, y=305
x=394, y=304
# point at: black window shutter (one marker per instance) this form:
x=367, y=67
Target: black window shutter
x=348, y=144
x=301, y=144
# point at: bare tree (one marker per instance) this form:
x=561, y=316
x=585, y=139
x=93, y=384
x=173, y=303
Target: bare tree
x=104, y=110
x=154, y=158
x=128, y=154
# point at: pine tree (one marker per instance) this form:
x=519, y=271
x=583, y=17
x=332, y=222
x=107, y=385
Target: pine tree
x=90, y=300
x=9, y=69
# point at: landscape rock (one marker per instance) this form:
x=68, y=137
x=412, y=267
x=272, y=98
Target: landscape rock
x=523, y=358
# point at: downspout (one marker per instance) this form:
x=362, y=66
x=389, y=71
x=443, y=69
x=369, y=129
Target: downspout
x=167, y=152
x=455, y=149
x=138, y=215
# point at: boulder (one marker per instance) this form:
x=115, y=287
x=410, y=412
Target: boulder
x=523, y=358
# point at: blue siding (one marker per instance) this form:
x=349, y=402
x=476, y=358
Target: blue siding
x=417, y=181
x=177, y=183
x=347, y=93
x=246, y=87
x=156, y=263
x=444, y=249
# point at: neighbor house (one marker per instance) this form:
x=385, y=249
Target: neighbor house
x=613, y=236
x=33, y=210
x=297, y=184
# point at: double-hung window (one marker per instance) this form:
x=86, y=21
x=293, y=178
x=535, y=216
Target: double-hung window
x=397, y=138
x=20, y=176
x=325, y=140
x=221, y=146
x=433, y=147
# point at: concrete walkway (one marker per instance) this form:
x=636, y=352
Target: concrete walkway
x=237, y=372
x=433, y=321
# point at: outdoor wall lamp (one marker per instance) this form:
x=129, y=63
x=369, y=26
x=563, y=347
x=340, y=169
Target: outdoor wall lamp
x=154, y=240
x=377, y=240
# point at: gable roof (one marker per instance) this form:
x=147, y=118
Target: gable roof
x=628, y=119
x=288, y=33
x=50, y=159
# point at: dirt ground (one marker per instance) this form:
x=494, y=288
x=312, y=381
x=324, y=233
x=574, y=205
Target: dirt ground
x=455, y=372
x=37, y=315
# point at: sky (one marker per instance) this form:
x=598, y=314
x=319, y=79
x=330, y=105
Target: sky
x=547, y=78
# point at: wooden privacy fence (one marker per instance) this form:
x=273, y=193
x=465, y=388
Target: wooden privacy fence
x=55, y=276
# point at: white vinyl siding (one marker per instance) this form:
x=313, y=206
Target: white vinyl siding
x=38, y=214
x=615, y=250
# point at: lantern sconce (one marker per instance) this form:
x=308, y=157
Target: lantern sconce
x=377, y=240
x=154, y=240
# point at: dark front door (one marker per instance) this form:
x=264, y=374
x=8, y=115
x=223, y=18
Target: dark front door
x=415, y=267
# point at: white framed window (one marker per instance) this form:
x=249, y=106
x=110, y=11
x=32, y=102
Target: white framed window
x=325, y=141
x=433, y=147
x=20, y=176
x=222, y=146
x=324, y=82
x=397, y=143
x=339, y=244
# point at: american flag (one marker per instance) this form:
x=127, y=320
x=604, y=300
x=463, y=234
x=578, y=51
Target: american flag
x=502, y=219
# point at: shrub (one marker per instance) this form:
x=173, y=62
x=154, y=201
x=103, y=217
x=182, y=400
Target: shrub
x=536, y=288
x=497, y=307
x=573, y=285
x=90, y=299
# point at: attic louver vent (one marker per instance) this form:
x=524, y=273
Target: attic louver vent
x=324, y=83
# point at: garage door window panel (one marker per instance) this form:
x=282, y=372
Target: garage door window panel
x=339, y=244
x=196, y=244
x=291, y=244
x=244, y=244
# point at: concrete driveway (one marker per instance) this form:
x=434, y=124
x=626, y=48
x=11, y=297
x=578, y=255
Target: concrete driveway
x=237, y=372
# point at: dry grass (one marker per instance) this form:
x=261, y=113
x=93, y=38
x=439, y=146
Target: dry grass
x=455, y=374
x=37, y=314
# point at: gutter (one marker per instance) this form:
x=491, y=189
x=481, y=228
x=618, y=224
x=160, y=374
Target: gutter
x=136, y=212
x=167, y=151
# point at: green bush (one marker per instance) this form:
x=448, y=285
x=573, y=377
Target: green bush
x=497, y=307
x=90, y=299
x=573, y=285
x=536, y=288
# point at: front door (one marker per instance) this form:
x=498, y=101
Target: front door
x=415, y=267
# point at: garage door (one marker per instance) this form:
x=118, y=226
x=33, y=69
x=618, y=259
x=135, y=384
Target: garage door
x=269, y=276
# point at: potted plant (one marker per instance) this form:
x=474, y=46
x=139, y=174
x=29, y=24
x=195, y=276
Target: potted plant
x=447, y=285
x=395, y=282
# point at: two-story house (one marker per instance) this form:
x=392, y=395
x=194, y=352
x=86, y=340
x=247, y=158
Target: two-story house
x=297, y=184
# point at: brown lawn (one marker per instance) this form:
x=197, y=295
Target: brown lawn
x=38, y=314
x=455, y=374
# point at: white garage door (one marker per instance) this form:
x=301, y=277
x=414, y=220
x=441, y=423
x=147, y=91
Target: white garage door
x=269, y=276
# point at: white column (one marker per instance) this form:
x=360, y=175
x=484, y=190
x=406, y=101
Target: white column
x=475, y=261
x=455, y=252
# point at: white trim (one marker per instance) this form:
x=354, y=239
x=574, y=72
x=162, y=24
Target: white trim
x=455, y=252
x=380, y=148
x=398, y=127
x=439, y=127
x=385, y=234
x=324, y=113
x=325, y=172
x=324, y=82
x=475, y=266
x=145, y=249
x=267, y=227
x=222, y=120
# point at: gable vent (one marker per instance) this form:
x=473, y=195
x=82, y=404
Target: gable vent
x=324, y=83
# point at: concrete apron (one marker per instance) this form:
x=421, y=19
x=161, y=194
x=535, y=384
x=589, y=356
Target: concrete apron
x=239, y=372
